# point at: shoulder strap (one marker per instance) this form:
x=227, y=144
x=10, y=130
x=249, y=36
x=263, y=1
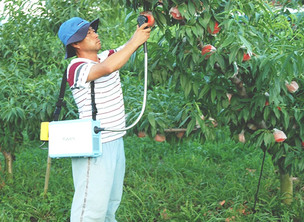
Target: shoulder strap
x=60, y=101
x=94, y=109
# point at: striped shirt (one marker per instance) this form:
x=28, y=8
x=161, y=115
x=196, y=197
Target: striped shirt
x=108, y=95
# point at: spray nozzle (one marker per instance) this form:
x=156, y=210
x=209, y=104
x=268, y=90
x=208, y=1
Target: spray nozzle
x=141, y=20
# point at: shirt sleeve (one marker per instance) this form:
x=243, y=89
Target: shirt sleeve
x=105, y=54
x=78, y=74
x=119, y=48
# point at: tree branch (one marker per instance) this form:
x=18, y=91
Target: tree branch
x=235, y=80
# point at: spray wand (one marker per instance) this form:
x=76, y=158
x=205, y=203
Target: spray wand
x=140, y=21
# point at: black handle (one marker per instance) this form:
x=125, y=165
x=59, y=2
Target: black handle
x=141, y=20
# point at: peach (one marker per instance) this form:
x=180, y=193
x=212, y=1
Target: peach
x=279, y=135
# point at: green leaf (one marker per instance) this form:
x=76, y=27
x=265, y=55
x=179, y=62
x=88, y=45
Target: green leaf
x=191, y=8
x=161, y=123
x=199, y=30
x=233, y=52
x=189, y=33
x=206, y=20
x=245, y=42
x=266, y=113
x=188, y=88
x=301, y=165
x=204, y=91
x=151, y=119
x=221, y=61
x=194, y=30
x=183, y=10
x=228, y=41
x=289, y=159
x=268, y=139
x=184, y=121
x=183, y=81
x=190, y=126
x=245, y=114
x=196, y=86
x=259, y=140
x=286, y=118
x=201, y=21
x=161, y=19
x=228, y=24
x=213, y=94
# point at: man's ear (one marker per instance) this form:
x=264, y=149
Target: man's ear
x=75, y=45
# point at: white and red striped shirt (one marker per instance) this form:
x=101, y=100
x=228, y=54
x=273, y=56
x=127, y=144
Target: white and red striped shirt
x=108, y=95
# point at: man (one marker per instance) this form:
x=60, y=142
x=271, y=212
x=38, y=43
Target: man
x=98, y=181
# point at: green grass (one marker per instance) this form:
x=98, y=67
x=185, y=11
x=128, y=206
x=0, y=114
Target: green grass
x=188, y=181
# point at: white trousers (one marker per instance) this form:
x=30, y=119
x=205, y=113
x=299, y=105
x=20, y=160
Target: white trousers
x=98, y=184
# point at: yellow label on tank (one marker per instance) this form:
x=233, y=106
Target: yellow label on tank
x=44, y=131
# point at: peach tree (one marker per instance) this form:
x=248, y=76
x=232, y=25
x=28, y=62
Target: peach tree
x=235, y=61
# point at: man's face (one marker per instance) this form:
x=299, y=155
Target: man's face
x=91, y=42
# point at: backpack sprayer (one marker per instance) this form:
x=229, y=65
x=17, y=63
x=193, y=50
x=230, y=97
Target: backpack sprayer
x=82, y=137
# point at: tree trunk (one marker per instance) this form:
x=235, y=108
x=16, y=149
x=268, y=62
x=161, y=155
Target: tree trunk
x=9, y=163
x=286, y=186
x=1, y=179
x=47, y=176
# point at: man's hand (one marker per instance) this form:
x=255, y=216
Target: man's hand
x=141, y=35
x=120, y=58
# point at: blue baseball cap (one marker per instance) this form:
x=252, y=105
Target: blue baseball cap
x=74, y=30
